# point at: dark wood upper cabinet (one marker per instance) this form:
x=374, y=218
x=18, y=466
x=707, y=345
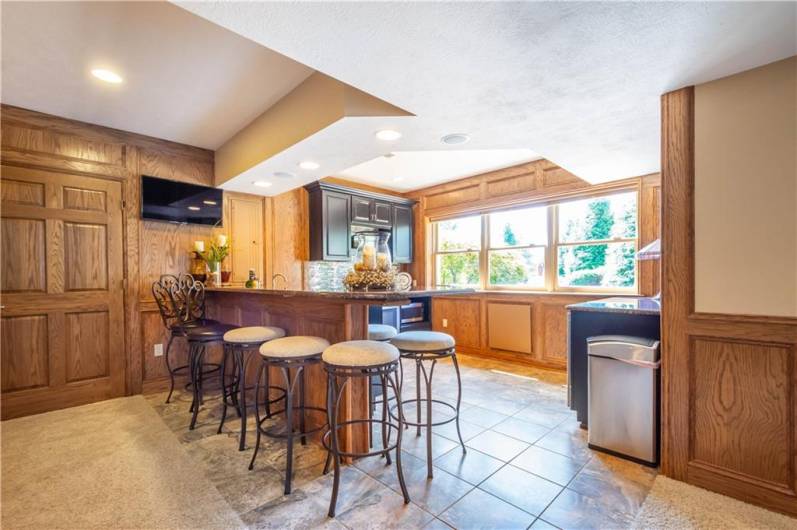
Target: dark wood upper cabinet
x=334, y=209
x=361, y=209
x=401, y=238
x=330, y=228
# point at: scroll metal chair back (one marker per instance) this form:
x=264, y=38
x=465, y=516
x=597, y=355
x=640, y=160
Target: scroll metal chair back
x=162, y=292
x=195, y=303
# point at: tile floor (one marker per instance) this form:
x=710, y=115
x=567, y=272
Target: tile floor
x=527, y=464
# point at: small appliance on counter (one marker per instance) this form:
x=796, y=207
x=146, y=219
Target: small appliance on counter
x=623, y=388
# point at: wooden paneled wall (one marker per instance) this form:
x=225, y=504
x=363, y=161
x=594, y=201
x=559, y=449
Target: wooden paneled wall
x=58, y=146
x=729, y=382
x=543, y=341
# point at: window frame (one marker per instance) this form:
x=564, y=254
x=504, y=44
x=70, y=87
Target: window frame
x=551, y=283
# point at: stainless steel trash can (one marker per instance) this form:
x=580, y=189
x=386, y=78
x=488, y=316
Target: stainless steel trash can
x=623, y=388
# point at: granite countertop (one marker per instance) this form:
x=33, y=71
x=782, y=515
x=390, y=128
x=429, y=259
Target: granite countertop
x=631, y=306
x=380, y=296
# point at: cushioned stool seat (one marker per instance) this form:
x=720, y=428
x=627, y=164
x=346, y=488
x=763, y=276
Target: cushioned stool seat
x=253, y=334
x=381, y=332
x=294, y=347
x=360, y=353
x=423, y=341
x=211, y=333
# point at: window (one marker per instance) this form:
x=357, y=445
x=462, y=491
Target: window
x=588, y=244
x=596, y=244
x=516, y=249
x=457, y=253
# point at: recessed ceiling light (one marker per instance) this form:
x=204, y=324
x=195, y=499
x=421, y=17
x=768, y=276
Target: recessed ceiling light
x=194, y=208
x=398, y=179
x=284, y=175
x=107, y=76
x=262, y=183
x=388, y=135
x=309, y=164
x=209, y=203
x=389, y=155
x=455, y=139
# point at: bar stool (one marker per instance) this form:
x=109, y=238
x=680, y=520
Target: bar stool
x=356, y=359
x=382, y=333
x=430, y=346
x=199, y=338
x=171, y=294
x=297, y=354
x=236, y=343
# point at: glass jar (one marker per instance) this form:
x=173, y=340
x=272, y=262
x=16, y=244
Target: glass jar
x=373, y=252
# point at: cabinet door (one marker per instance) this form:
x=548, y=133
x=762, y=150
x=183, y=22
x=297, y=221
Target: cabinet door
x=361, y=209
x=402, y=234
x=382, y=213
x=336, y=225
x=246, y=233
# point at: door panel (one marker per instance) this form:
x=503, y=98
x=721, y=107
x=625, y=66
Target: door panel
x=246, y=225
x=361, y=209
x=24, y=356
x=23, y=255
x=62, y=288
x=85, y=257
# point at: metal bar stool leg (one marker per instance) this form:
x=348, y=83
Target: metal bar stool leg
x=302, y=421
x=242, y=396
x=385, y=432
x=286, y=374
x=418, y=393
x=169, y=368
x=459, y=400
x=257, y=414
x=196, y=360
x=336, y=392
x=397, y=392
x=224, y=394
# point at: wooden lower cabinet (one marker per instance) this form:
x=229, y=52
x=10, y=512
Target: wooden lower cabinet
x=527, y=328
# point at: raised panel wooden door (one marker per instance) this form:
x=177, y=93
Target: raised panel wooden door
x=62, y=289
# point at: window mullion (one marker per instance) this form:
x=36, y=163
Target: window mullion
x=551, y=250
x=484, y=280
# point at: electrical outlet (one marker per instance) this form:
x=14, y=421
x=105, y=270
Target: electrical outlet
x=158, y=350
x=445, y=322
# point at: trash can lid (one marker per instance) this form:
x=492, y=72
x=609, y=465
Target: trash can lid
x=626, y=339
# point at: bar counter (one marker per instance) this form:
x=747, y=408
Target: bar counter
x=334, y=315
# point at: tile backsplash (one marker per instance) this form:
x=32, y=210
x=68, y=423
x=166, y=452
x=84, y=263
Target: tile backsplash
x=325, y=275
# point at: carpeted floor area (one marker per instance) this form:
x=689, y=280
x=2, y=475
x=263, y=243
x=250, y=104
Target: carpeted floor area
x=112, y=464
x=675, y=505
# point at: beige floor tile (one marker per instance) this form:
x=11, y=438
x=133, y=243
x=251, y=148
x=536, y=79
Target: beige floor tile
x=548, y=465
x=473, y=466
x=498, y=445
x=522, y=489
x=574, y=510
x=479, y=509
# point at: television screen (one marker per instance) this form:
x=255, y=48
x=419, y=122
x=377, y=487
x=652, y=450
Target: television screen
x=180, y=202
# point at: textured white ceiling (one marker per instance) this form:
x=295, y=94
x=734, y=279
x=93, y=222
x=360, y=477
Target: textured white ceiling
x=409, y=170
x=185, y=79
x=577, y=82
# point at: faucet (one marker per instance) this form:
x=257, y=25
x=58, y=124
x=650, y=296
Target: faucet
x=284, y=281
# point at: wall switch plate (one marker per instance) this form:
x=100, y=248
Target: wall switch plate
x=445, y=322
x=158, y=350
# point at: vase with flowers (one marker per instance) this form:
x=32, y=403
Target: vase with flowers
x=218, y=249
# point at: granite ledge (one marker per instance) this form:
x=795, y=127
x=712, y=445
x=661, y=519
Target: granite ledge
x=630, y=306
x=376, y=296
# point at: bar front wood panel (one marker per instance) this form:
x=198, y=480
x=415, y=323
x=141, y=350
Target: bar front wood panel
x=729, y=382
x=334, y=320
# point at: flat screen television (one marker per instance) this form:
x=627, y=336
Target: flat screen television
x=180, y=202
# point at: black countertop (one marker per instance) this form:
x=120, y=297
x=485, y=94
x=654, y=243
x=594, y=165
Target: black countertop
x=631, y=306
